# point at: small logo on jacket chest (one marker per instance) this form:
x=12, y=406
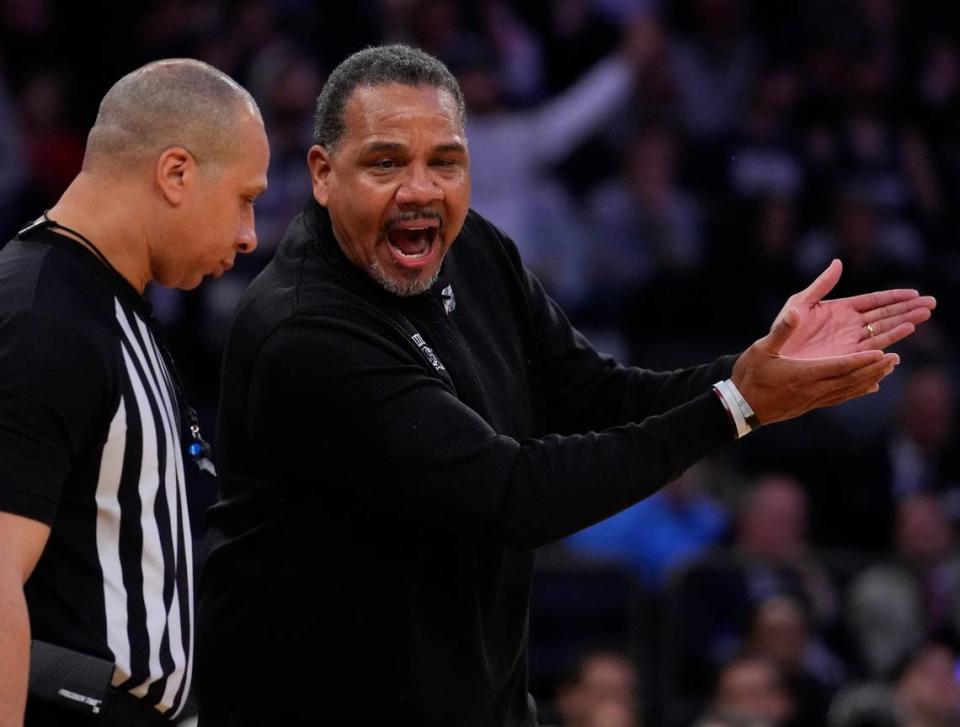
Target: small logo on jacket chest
x=449, y=302
x=427, y=352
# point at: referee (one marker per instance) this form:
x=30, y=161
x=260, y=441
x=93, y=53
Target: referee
x=95, y=547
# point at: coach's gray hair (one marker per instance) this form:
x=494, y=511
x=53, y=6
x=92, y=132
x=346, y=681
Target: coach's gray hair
x=378, y=66
x=173, y=102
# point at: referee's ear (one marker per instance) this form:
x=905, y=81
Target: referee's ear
x=318, y=161
x=175, y=171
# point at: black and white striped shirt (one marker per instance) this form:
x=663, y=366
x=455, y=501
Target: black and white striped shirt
x=90, y=444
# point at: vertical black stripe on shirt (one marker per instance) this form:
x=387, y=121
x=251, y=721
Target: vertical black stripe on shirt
x=151, y=388
x=131, y=540
x=185, y=596
x=184, y=554
x=141, y=668
x=176, y=566
x=163, y=510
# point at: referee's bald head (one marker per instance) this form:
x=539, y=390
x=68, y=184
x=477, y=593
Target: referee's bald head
x=177, y=102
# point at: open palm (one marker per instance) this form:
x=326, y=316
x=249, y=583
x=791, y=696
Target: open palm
x=847, y=325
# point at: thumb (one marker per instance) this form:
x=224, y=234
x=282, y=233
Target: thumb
x=783, y=327
x=824, y=283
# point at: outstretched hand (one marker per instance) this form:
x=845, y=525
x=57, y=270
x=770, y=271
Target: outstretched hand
x=872, y=321
x=780, y=387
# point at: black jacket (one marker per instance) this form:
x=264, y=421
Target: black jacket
x=389, y=465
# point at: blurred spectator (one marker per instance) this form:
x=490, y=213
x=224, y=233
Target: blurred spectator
x=520, y=53
x=757, y=264
x=889, y=166
x=54, y=149
x=915, y=453
x=601, y=693
x=459, y=32
x=895, y=606
x=772, y=531
x=939, y=84
x=171, y=29
x=510, y=151
x=656, y=535
x=654, y=98
x=576, y=35
x=713, y=65
x=812, y=674
x=12, y=168
x=864, y=705
x=921, y=454
x=644, y=224
x=876, y=248
x=749, y=693
x=709, y=604
x=927, y=692
x=765, y=160
x=938, y=120
x=438, y=27
x=285, y=80
x=880, y=24
x=26, y=26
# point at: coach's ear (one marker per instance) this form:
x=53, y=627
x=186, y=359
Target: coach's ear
x=318, y=161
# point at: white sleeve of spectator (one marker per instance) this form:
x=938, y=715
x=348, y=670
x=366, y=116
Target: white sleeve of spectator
x=565, y=121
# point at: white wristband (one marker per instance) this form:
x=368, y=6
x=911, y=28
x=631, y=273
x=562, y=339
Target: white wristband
x=752, y=421
x=739, y=409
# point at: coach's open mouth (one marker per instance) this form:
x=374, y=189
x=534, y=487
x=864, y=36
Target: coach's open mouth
x=413, y=243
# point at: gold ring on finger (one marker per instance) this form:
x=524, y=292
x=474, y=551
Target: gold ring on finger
x=871, y=330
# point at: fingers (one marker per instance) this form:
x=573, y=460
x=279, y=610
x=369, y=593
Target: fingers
x=865, y=380
x=885, y=326
x=837, y=366
x=783, y=327
x=915, y=310
x=847, y=395
x=867, y=385
x=824, y=283
x=879, y=299
x=887, y=338
x=872, y=372
x=780, y=387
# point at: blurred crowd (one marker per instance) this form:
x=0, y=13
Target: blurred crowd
x=672, y=170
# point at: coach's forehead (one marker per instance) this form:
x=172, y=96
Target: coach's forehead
x=373, y=108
